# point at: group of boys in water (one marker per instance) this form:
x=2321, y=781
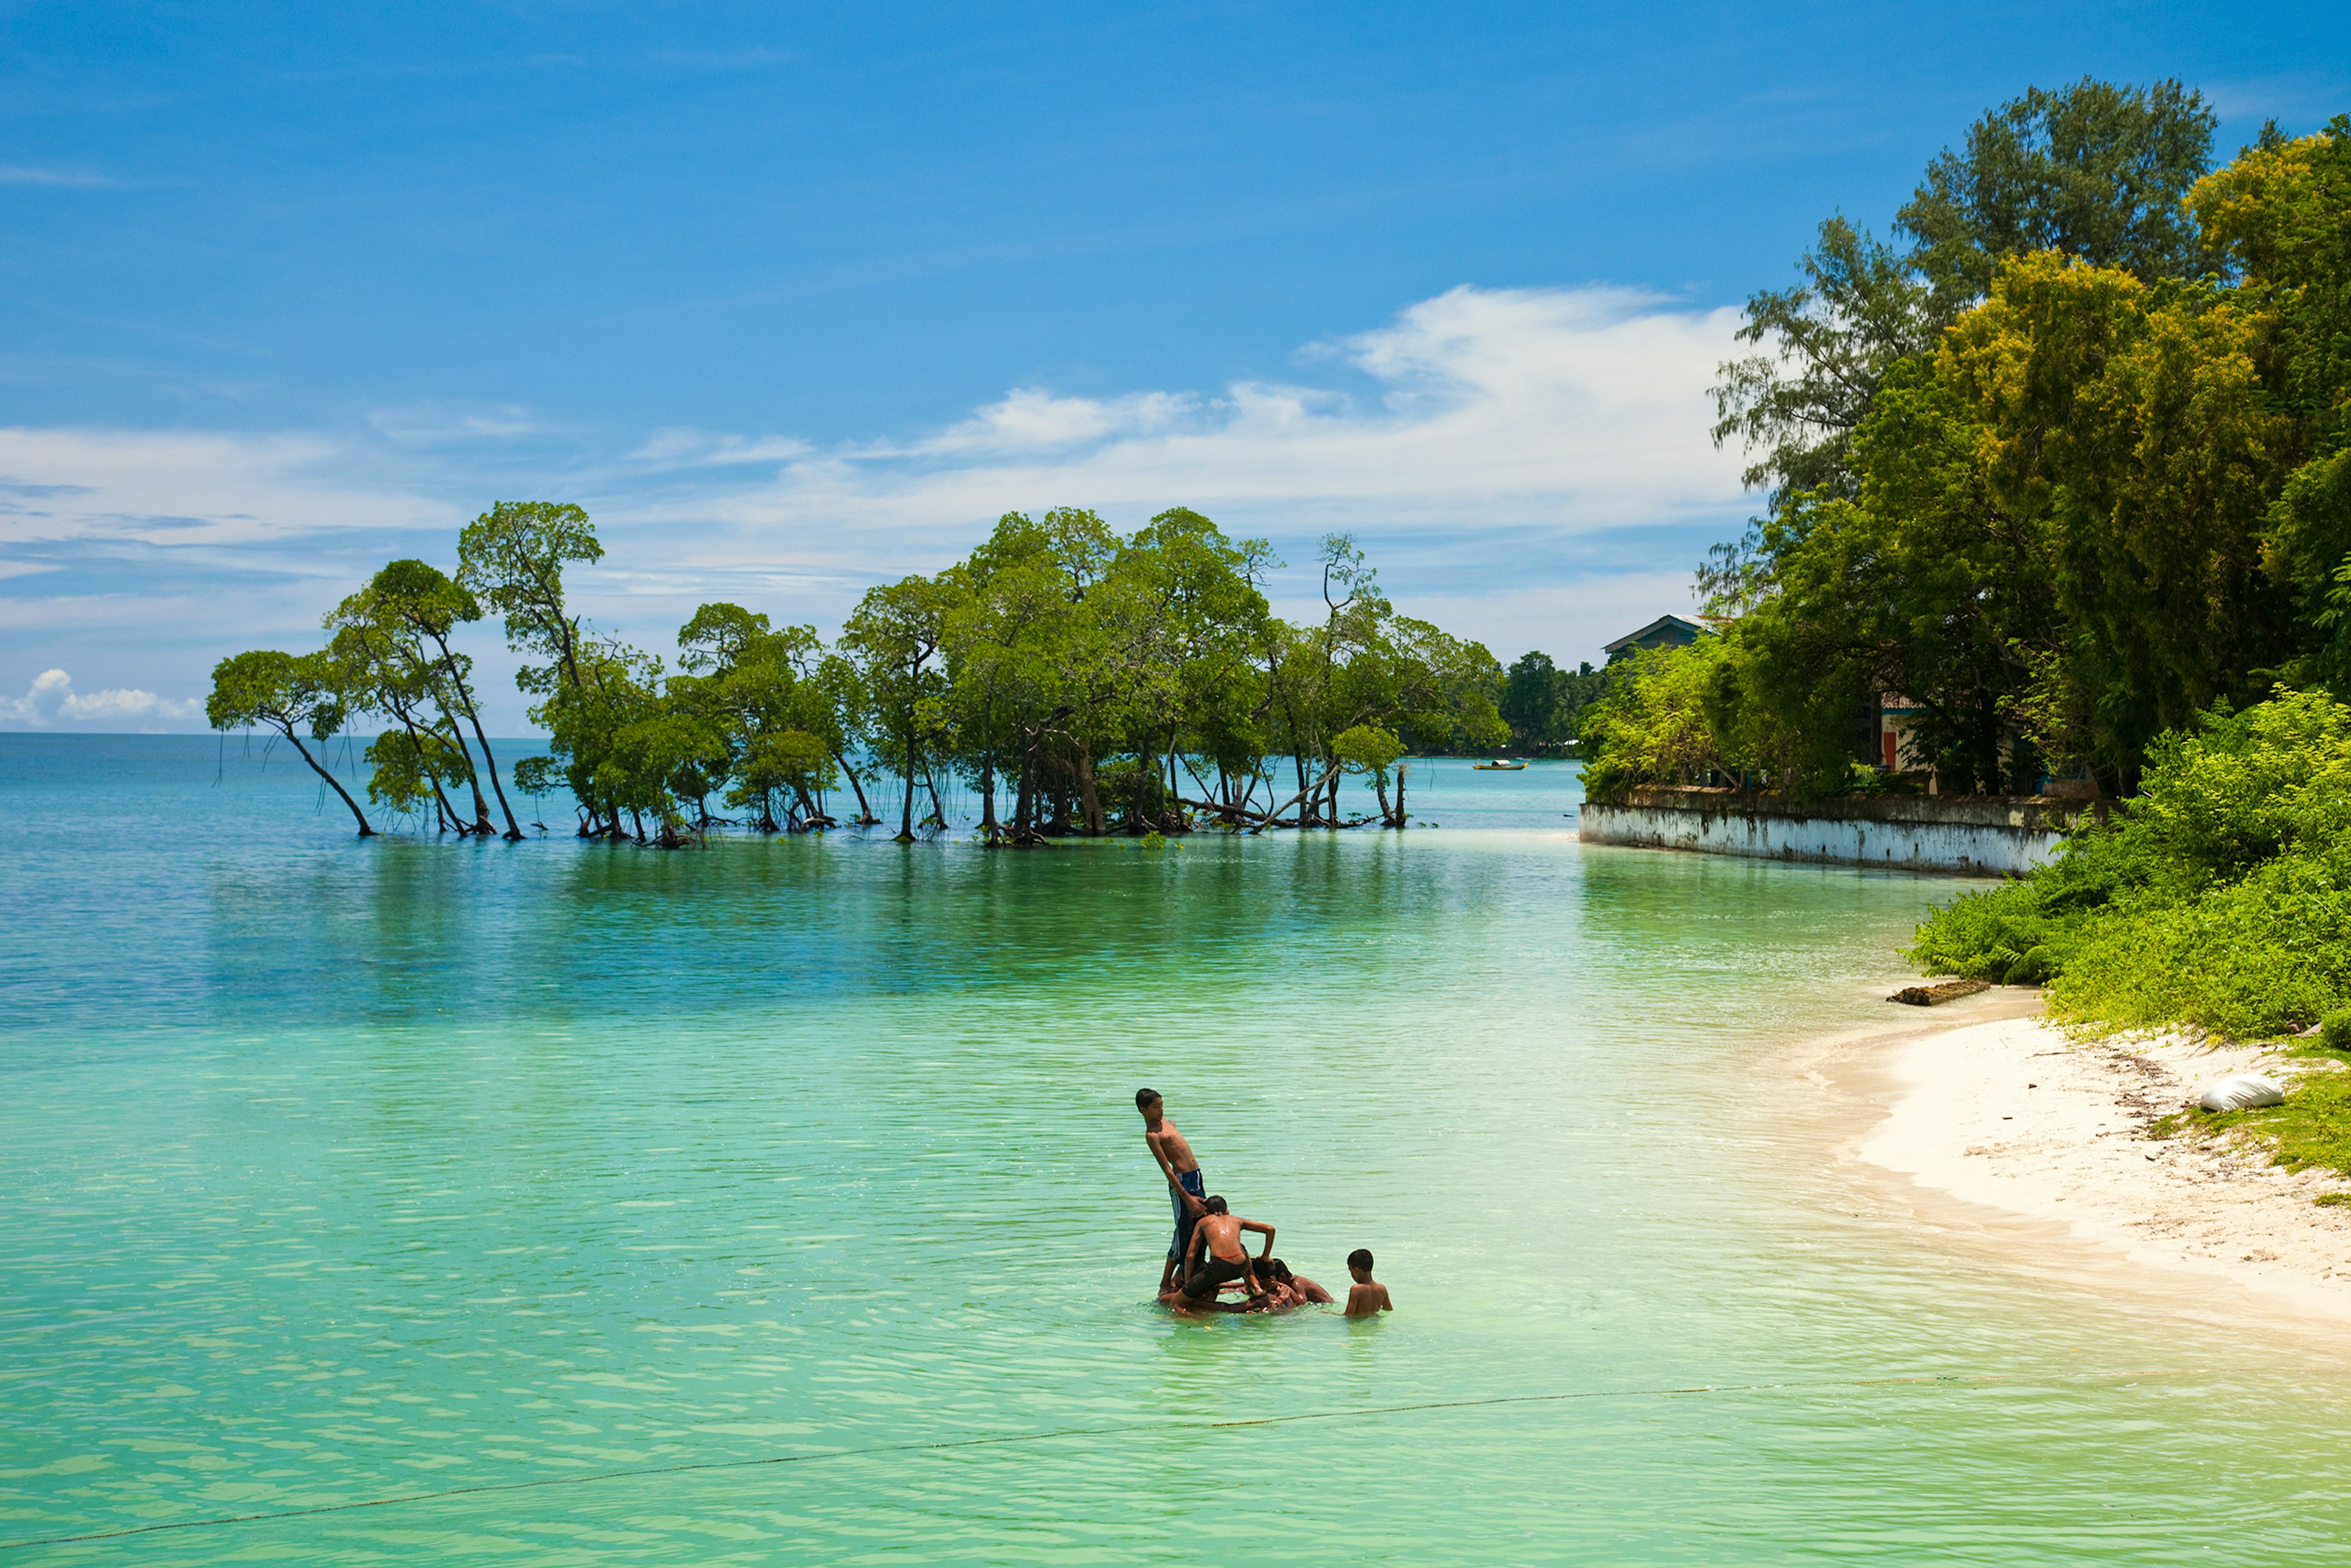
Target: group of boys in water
x=1207, y=1256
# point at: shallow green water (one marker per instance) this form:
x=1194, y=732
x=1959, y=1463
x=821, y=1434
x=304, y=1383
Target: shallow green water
x=338, y=1172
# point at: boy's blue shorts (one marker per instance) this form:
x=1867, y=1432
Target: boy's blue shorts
x=1197, y=1186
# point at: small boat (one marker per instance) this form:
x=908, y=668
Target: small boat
x=1499, y=765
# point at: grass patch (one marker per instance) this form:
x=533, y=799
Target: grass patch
x=2311, y=1131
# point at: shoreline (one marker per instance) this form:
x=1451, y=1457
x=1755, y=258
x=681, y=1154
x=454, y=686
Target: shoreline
x=2007, y=1139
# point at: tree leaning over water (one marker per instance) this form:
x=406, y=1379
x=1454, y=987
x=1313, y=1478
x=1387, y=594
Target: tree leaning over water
x=1081, y=682
x=397, y=630
x=290, y=694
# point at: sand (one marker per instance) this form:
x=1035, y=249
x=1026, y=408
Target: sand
x=2013, y=1120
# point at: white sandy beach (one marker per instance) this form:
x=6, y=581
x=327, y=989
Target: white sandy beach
x=2010, y=1115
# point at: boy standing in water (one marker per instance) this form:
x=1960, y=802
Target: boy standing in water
x=1185, y=1186
x=1367, y=1296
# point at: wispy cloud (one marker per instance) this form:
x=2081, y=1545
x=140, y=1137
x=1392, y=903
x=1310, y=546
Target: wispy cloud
x=2300, y=100
x=72, y=179
x=51, y=702
x=191, y=488
x=746, y=60
x=434, y=425
x=1030, y=421
x=682, y=448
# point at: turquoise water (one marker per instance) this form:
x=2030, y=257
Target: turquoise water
x=338, y=1171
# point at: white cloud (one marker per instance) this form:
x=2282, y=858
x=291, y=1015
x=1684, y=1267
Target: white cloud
x=51, y=700
x=1564, y=409
x=1028, y=420
x=432, y=424
x=678, y=447
x=175, y=488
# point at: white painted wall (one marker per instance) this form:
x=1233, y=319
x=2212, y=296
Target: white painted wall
x=1954, y=848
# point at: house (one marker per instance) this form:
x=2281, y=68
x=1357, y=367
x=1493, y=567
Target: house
x=1896, y=715
x=1665, y=631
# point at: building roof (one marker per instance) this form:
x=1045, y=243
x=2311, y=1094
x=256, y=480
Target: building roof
x=1669, y=625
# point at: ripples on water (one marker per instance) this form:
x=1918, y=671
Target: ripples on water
x=335, y=1172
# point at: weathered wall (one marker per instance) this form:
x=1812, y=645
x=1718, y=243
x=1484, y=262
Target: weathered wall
x=1968, y=837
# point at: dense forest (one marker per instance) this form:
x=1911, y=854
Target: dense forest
x=2066, y=472
x=2061, y=467
x=1080, y=682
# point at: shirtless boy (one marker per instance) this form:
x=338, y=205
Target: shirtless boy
x=1302, y=1288
x=1278, y=1289
x=1223, y=1260
x=1185, y=1185
x=1367, y=1296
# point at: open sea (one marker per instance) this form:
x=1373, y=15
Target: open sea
x=783, y=1201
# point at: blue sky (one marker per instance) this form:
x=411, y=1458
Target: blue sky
x=796, y=298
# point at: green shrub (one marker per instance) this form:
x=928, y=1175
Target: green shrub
x=2033, y=969
x=2220, y=898
x=2335, y=1031
x=1983, y=935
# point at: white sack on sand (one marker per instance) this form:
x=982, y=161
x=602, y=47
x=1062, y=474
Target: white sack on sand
x=2240, y=1092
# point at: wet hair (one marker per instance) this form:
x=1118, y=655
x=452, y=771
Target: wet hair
x=1146, y=1097
x=1277, y=1269
x=1213, y=1205
x=1361, y=1258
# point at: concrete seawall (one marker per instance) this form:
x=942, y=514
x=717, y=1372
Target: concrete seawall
x=1950, y=836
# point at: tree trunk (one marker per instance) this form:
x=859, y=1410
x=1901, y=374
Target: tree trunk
x=337, y=784
x=1272, y=815
x=448, y=817
x=1089, y=799
x=1401, y=820
x=865, y=817
x=987, y=825
x=449, y=663
x=907, y=804
x=938, y=813
x=1380, y=788
x=481, y=823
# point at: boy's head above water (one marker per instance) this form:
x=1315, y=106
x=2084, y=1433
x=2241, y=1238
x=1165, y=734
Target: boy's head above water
x=1359, y=1264
x=1213, y=1205
x=1147, y=1101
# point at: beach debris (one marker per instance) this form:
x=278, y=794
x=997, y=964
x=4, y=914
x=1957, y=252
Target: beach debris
x=2240, y=1092
x=1928, y=996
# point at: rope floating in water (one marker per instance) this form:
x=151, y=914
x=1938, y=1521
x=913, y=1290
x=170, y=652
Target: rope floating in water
x=774, y=1461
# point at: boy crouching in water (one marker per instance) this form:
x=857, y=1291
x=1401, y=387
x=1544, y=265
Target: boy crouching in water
x=1216, y=1240
x=1367, y=1296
